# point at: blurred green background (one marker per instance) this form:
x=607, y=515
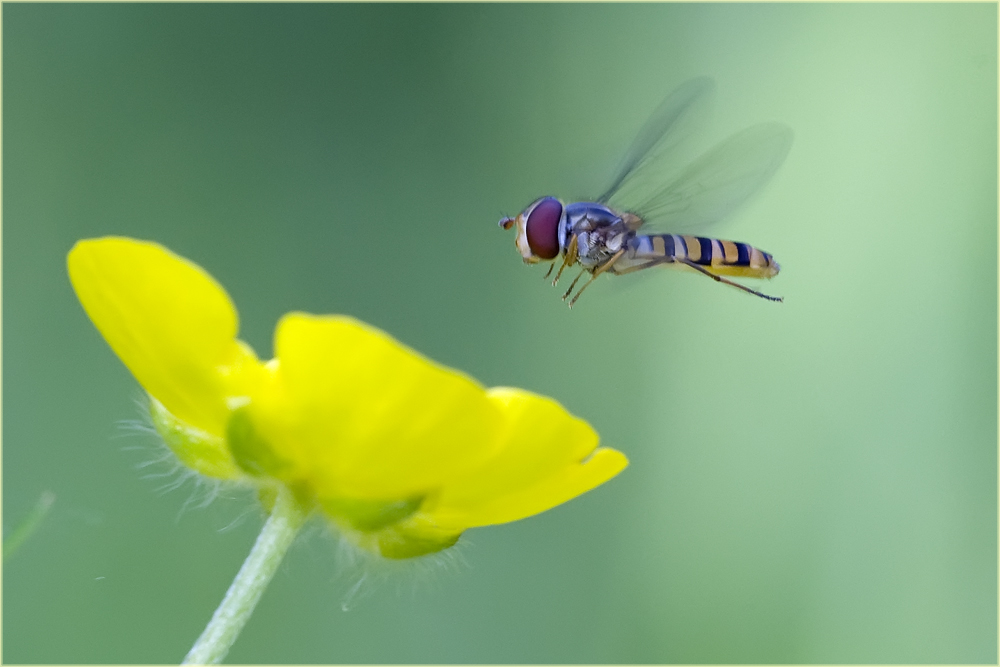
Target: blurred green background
x=810, y=482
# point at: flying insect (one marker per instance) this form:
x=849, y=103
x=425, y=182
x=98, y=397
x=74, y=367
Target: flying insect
x=603, y=235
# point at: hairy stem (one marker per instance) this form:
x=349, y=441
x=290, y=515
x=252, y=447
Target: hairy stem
x=275, y=537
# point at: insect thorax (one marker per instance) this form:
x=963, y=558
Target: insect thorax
x=599, y=232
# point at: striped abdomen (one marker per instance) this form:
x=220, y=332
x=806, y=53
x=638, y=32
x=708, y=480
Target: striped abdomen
x=724, y=258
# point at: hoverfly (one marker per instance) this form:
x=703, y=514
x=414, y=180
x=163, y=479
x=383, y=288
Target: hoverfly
x=603, y=235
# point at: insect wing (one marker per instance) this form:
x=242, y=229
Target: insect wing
x=712, y=186
x=665, y=129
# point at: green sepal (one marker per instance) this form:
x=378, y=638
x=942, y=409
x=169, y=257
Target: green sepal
x=250, y=451
x=198, y=450
x=267, y=495
x=369, y=516
x=400, y=543
x=410, y=538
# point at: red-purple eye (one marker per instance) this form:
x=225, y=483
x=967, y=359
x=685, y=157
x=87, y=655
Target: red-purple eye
x=542, y=228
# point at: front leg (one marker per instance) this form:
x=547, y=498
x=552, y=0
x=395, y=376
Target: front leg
x=569, y=259
x=593, y=276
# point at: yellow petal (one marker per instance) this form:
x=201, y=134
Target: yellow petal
x=171, y=324
x=549, y=457
x=365, y=418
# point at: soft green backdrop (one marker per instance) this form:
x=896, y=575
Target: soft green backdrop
x=810, y=482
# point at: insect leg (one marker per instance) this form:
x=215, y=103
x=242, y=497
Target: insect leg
x=573, y=284
x=549, y=272
x=640, y=267
x=569, y=259
x=720, y=279
x=598, y=271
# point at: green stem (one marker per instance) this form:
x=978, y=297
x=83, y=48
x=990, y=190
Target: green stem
x=24, y=530
x=244, y=593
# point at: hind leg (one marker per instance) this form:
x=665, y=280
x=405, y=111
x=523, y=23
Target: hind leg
x=720, y=279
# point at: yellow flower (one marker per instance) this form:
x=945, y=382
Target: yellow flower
x=401, y=453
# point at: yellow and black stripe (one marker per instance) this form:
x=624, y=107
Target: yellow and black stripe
x=725, y=258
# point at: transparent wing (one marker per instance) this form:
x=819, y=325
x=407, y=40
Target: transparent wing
x=709, y=188
x=666, y=128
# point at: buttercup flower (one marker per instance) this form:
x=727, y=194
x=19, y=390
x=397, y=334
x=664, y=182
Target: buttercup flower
x=401, y=453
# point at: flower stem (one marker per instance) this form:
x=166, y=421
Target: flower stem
x=275, y=537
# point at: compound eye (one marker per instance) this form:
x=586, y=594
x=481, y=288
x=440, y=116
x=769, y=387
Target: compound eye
x=542, y=228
